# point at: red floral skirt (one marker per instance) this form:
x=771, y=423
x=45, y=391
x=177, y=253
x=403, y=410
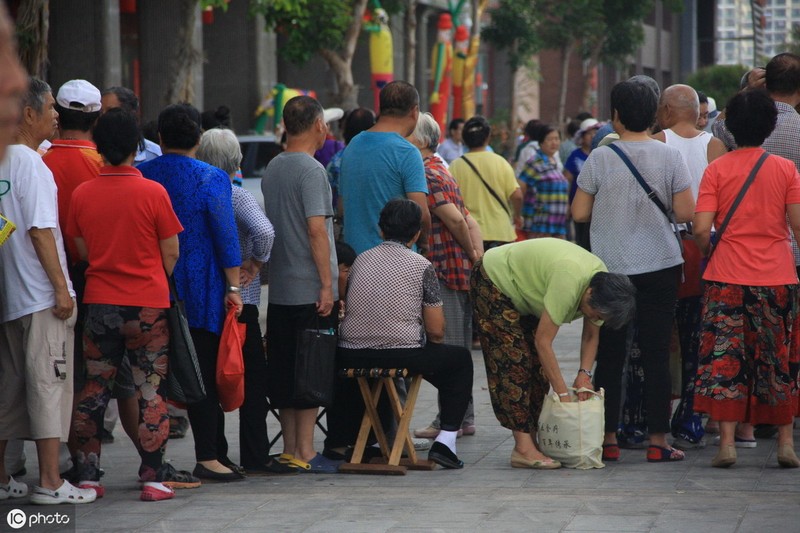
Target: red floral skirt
x=749, y=354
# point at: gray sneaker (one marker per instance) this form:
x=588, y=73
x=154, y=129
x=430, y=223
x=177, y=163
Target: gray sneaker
x=685, y=444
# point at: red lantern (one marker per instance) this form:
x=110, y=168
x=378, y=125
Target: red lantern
x=127, y=6
x=208, y=15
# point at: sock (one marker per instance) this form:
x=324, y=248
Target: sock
x=448, y=438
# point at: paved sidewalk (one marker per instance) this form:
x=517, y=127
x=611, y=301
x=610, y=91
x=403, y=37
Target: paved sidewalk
x=487, y=495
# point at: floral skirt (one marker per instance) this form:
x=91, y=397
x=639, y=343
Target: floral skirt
x=749, y=354
x=517, y=384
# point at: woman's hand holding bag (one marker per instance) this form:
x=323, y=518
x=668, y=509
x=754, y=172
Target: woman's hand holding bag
x=572, y=431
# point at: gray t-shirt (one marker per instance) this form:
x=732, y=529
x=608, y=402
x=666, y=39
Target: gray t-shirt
x=295, y=187
x=628, y=232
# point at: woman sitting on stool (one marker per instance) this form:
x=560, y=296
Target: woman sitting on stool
x=394, y=319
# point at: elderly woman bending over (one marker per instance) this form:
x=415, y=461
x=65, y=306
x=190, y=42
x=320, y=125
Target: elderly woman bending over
x=523, y=292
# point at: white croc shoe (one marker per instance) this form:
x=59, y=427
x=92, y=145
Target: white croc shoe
x=66, y=493
x=13, y=489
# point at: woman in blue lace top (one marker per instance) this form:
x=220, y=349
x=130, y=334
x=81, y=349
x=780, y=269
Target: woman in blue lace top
x=207, y=274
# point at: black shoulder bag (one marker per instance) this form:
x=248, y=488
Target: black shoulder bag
x=488, y=188
x=650, y=193
x=718, y=236
x=184, y=378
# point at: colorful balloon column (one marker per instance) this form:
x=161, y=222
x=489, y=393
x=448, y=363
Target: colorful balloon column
x=441, y=68
x=381, y=60
x=459, y=60
x=272, y=106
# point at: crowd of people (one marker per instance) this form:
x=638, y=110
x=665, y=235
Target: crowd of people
x=437, y=247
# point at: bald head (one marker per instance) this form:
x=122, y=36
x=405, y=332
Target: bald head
x=678, y=103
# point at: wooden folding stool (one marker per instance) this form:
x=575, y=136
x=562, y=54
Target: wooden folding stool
x=391, y=463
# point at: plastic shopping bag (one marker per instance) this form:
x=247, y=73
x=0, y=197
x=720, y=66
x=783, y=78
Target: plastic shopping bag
x=230, y=364
x=572, y=432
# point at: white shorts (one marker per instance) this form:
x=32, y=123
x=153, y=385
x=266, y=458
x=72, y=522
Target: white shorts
x=36, y=385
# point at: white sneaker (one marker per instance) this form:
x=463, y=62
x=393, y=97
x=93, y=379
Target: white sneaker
x=66, y=493
x=13, y=489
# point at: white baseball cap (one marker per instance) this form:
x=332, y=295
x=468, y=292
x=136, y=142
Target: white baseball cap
x=79, y=95
x=332, y=113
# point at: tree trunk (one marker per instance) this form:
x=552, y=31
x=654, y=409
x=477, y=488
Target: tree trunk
x=346, y=94
x=341, y=63
x=411, y=42
x=566, y=52
x=512, y=101
x=33, y=23
x=181, y=85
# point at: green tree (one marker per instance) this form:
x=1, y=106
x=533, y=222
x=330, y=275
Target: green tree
x=330, y=28
x=513, y=27
x=718, y=81
x=601, y=31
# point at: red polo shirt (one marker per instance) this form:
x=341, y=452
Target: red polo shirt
x=72, y=163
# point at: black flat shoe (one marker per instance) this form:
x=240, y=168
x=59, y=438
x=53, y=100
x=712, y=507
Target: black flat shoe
x=233, y=466
x=204, y=473
x=442, y=456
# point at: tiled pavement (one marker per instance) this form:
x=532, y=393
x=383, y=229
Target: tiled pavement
x=487, y=495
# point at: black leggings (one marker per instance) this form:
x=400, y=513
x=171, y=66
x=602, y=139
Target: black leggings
x=656, y=294
x=446, y=367
x=206, y=417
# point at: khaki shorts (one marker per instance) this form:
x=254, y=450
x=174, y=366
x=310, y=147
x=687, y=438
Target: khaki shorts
x=36, y=386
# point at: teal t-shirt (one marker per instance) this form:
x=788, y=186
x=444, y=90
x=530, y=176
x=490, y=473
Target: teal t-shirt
x=540, y=274
x=376, y=167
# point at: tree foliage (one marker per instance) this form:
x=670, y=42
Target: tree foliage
x=514, y=28
x=718, y=81
x=308, y=25
x=610, y=29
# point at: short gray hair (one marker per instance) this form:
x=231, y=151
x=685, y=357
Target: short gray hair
x=427, y=131
x=613, y=297
x=220, y=148
x=34, y=98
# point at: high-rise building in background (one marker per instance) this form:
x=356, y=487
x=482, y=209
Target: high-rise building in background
x=735, y=36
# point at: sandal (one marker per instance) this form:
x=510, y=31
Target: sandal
x=285, y=458
x=301, y=466
x=13, y=489
x=66, y=493
x=610, y=452
x=659, y=454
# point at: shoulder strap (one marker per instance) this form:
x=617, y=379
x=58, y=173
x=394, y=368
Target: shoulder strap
x=737, y=201
x=491, y=191
x=650, y=192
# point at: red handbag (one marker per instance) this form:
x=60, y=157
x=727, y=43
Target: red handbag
x=230, y=364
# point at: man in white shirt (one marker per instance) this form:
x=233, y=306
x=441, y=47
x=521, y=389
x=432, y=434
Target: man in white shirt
x=37, y=310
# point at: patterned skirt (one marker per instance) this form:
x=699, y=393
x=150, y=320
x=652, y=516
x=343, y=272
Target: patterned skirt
x=517, y=384
x=749, y=354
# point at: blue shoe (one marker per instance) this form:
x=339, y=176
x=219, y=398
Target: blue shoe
x=322, y=465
